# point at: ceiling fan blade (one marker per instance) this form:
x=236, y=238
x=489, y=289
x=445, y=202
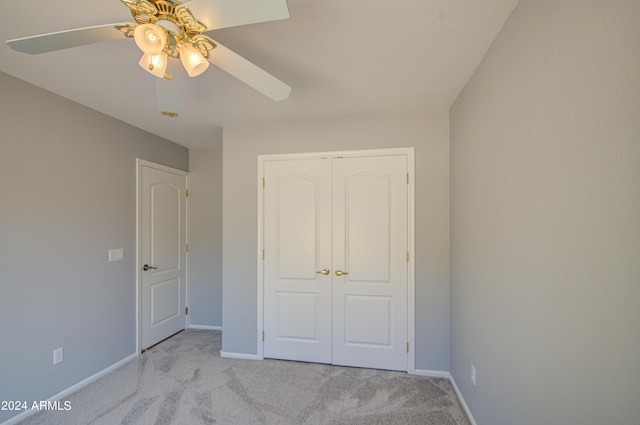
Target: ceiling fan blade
x=217, y=14
x=44, y=43
x=247, y=72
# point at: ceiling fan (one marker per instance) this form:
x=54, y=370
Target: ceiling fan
x=169, y=29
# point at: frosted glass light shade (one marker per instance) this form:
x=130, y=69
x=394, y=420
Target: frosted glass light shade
x=150, y=38
x=192, y=60
x=155, y=64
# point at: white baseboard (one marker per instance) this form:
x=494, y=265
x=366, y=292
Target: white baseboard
x=462, y=402
x=206, y=327
x=238, y=356
x=447, y=375
x=72, y=389
x=432, y=373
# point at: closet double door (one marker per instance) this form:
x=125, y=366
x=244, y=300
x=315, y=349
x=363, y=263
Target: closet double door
x=335, y=260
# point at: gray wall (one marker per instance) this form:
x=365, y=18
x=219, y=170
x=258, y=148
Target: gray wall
x=205, y=236
x=545, y=219
x=428, y=133
x=67, y=196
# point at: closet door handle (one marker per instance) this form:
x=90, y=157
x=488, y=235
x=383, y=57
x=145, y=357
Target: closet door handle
x=324, y=272
x=340, y=272
x=147, y=267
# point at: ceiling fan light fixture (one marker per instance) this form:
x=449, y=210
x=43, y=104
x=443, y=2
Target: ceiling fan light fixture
x=150, y=38
x=154, y=64
x=192, y=60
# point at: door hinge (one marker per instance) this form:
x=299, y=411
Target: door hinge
x=263, y=182
x=186, y=310
x=186, y=193
x=407, y=347
x=407, y=178
x=263, y=254
x=186, y=248
x=407, y=256
x=262, y=336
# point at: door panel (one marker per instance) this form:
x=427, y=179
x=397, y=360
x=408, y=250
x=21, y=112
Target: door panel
x=300, y=305
x=165, y=226
x=163, y=238
x=165, y=301
x=367, y=227
x=297, y=226
x=368, y=320
x=297, y=300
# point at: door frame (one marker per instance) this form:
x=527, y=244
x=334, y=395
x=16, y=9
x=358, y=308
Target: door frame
x=409, y=153
x=139, y=164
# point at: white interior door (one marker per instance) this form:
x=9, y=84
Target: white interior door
x=370, y=246
x=335, y=266
x=162, y=256
x=297, y=292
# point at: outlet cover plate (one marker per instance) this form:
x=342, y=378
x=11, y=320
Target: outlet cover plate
x=473, y=375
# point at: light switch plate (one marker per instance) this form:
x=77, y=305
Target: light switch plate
x=58, y=355
x=116, y=254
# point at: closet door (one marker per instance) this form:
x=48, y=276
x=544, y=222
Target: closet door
x=335, y=260
x=369, y=251
x=297, y=260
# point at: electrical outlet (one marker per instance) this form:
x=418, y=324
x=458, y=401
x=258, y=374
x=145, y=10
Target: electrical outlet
x=58, y=355
x=473, y=375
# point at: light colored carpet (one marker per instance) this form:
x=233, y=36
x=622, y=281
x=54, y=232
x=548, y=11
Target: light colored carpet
x=184, y=381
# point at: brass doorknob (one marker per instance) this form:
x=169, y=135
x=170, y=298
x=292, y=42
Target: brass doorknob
x=324, y=272
x=340, y=272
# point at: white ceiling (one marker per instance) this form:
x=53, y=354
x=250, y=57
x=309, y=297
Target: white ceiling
x=340, y=57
